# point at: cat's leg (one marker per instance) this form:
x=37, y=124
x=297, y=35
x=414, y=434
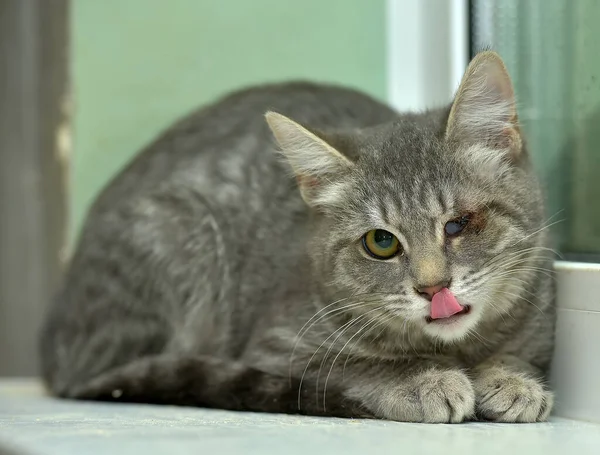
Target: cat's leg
x=413, y=390
x=509, y=389
x=418, y=392
x=212, y=383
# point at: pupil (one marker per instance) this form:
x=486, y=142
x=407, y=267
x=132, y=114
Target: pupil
x=383, y=239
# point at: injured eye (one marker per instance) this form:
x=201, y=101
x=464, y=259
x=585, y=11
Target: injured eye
x=456, y=226
x=381, y=244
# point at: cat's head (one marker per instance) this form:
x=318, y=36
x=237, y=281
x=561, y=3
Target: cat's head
x=444, y=199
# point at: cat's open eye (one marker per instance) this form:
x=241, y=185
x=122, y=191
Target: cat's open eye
x=456, y=226
x=381, y=244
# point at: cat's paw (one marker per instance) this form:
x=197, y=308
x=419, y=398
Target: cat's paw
x=433, y=396
x=504, y=396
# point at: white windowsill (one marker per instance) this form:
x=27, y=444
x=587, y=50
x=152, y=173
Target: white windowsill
x=40, y=425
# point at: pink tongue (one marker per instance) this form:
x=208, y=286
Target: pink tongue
x=444, y=305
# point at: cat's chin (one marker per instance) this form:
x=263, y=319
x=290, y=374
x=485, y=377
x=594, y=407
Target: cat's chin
x=453, y=328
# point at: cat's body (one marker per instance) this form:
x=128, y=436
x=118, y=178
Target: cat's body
x=203, y=278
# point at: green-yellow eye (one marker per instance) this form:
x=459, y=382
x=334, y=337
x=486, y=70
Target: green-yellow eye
x=381, y=244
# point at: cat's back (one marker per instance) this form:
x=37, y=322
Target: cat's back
x=197, y=217
x=228, y=144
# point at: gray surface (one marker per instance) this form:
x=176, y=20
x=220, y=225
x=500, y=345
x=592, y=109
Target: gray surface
x=43, y=425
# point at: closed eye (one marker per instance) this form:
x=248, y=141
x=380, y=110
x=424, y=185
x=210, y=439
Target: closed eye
x=454, y=227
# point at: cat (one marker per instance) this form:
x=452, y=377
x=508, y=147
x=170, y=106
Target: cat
x=303, y=248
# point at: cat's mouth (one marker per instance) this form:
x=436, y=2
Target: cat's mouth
x=450, y=319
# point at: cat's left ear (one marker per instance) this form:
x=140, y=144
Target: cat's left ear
x=484, y=111
x=316, y=164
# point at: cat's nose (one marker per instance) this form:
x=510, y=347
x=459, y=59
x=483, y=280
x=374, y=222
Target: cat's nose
x=429, y=290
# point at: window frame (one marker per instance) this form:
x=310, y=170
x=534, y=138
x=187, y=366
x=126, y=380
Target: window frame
x=34, y=153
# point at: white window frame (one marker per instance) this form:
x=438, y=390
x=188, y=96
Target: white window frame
x=427, y=53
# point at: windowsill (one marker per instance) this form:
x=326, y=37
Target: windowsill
x=576, y=367
x=41, y=425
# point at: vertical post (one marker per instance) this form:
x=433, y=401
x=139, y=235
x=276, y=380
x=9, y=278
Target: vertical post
x=427, y=51
x=34, y=150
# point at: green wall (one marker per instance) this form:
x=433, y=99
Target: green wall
x=137, y=65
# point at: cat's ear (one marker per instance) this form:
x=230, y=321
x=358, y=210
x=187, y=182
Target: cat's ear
x=484, y=110
x=316, y=164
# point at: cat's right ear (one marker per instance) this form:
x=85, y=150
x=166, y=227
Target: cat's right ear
x=316, y=164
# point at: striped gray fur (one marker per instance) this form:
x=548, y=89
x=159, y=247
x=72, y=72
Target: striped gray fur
x=225, y=268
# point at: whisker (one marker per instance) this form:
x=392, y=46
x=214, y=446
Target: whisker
x=338, y=355
x=487, y=274
x=354, y=296
x=383, y=323
x=332, y=344
x=480, y=337
x=301, y=334
x=527, y=300
x=503, y=256
x=499, y=310
x=313, y=356
x=511, y=280
x=523, y=255
x=504, y=260
x=543, y=271
x=410, y=340
x=543, y=228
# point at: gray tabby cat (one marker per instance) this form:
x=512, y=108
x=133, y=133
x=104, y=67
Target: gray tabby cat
x=398, y=272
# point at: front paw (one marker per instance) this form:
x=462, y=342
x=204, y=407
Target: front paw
x=433, y=396
x=505, y=396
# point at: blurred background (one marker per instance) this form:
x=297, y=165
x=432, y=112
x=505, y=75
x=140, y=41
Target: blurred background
x=85, y=83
